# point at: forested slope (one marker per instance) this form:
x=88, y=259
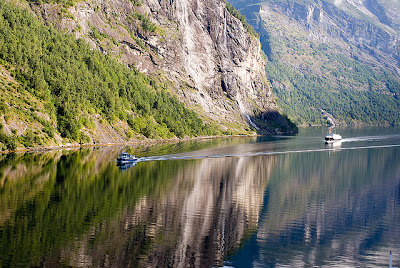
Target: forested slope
x=338, y=56
x=64, y=90
x=106, y=71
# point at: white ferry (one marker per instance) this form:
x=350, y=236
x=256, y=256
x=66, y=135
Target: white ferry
x=331, y=137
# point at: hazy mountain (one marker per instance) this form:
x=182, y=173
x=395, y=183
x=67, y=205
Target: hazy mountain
x=331, y=57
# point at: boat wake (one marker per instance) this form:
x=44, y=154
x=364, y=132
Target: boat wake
x=189, y=157
x=372, y=138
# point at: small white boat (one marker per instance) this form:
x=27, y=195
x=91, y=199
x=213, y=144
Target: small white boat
x=332, y=137
x=124, y=158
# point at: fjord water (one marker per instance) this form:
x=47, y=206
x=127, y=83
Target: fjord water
x=287, y=201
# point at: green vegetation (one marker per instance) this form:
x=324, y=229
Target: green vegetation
x=242, y=18
x=137, y=2
x=73, y=81
x=303, y=95
x=97, y=35
x=308, y=75
x=9, y=141
x=275, y=121
x=46, y=207
x=23, y=112
x=147, y=25
x=65, y=3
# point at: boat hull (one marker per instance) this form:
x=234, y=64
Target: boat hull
x=125, y=158
x=126, y=161
x=331, y=138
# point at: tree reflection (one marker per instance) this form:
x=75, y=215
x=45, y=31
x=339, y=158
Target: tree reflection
x=76, y=208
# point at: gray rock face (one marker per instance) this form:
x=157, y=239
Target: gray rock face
x=321, y=52
x=369, y=26
x=213, y=64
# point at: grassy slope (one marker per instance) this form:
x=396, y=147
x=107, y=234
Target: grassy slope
x=21, y=114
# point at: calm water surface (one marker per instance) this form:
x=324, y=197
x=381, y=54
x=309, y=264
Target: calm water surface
x=239, y=202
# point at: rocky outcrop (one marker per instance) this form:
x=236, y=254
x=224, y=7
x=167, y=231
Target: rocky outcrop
x=214, y=65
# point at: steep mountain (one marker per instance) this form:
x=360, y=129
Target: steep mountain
x=194, y=50
x=56, y=89
x=214, y=64
x=331, y=57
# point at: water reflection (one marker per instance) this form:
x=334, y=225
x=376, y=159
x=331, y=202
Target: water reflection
x=78, y=209
x=49, y=200
x=339, y=208
x=204, y=215
x=289, y=202
x=125, y=166
x=334, y=144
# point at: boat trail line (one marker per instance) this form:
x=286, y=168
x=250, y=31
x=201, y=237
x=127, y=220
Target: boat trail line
x=337, y=149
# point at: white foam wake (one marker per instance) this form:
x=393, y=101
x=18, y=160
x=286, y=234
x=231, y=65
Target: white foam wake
x=187, y=157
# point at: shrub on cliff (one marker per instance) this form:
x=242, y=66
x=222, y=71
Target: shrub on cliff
x=242, y=18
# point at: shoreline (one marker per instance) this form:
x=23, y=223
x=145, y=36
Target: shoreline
x=132, y=143
x=155, y=141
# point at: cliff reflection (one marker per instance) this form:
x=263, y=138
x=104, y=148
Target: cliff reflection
x=222, y=205
x=77, y=208
x=206, y=213
x=324, y=207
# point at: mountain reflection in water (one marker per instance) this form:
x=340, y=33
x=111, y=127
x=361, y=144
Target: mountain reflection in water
x=339, y=209
x=78, y=209
x=286, y=201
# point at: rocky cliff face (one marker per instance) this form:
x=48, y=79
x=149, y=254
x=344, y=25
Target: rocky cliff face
x=344, y=24
x=214, y=65
x=334, y=55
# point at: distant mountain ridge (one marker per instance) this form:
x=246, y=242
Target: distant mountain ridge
x=341, y=56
